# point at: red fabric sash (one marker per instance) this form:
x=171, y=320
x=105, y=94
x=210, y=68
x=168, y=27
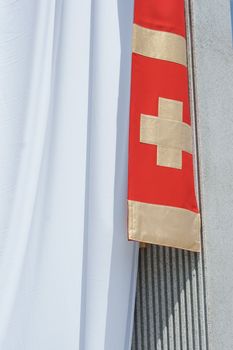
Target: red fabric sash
x=162, y=202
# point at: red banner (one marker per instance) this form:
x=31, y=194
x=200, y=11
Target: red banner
x=162, y=206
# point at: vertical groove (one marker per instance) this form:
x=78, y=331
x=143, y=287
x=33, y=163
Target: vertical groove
x=158, y=325
x=160, y=320
x=176, y=305
x=162, y=295
x=194, y=299
x=143, y=310
x=150, y=301
x=147, y=295
x=188, y=299
x=182, y=301
x=137, y=325
x=170, y=317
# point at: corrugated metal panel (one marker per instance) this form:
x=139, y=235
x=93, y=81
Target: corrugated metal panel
x=170, y=311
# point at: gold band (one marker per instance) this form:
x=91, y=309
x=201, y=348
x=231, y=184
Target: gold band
x=169, y=157
x=159, y=44
x=164, y=225
x=170, y=109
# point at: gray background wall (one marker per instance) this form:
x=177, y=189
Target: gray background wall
x=214, y=92
x=185, y=300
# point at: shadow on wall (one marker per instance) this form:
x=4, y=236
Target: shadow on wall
x=170, y=308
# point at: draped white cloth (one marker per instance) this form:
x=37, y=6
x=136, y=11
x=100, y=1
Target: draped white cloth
x=67, y=271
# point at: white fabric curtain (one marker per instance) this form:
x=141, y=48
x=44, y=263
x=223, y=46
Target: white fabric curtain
x=67, y=271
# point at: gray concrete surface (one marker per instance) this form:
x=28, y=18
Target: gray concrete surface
x=213, y=54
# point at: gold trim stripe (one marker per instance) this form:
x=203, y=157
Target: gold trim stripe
x=169, y=157
x=170, y=109
x=165, y=132
x=164, y=225
x=159, y=44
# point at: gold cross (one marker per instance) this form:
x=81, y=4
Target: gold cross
x=168, y=132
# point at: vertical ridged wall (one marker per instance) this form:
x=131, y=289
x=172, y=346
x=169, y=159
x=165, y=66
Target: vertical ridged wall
x=171, y=306
x=170, y=312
